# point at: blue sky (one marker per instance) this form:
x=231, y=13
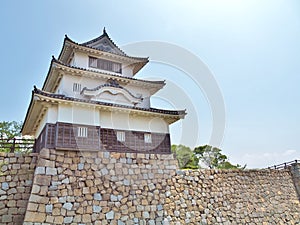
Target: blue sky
x=251, y=47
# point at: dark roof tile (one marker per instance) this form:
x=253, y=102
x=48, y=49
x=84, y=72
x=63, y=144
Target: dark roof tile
x=63, y=97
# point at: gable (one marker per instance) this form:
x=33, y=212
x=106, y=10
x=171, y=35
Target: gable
x=106, y=45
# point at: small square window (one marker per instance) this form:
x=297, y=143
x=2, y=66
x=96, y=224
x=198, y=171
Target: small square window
x=148, y=138
x=121, y=136
x=76, y=87
x=82, y=132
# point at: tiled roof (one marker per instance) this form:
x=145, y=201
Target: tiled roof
x=106, y=73
x=63, y=97
x=145, y=59
x=102, y=36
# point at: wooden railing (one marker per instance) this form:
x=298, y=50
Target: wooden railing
x=16, y=145
x=284, y=165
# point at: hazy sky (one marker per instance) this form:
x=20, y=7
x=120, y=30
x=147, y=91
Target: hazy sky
x=252, y=48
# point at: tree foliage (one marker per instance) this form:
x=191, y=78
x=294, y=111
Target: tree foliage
x=185, y=156
x=213, y=158
x=10, y=129
x=208, y=156
x=10, y=138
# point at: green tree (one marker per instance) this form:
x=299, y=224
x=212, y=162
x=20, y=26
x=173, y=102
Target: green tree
x=10, y=138
x=9, y=130
x=213, y=158
x=185, y=156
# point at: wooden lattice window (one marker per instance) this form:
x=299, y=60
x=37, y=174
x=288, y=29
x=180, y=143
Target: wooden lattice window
x=147, y=138
x=82, y=132
x=76, y=87
x=104, y=64
x=121, y=136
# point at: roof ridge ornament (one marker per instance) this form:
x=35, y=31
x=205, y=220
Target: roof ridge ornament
x=104, y=31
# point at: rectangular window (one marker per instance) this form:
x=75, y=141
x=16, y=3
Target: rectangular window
x=103, y=64
x=148, y=138
x=93, y=62
x=76, y=87
x=82, y=132
x=121, y=136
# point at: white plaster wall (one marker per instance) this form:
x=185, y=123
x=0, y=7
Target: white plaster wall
x=60, y=88
x=78, y=115
x=127, y=71
x=66, y=88
x=113, y=98
x=80, y=60
x=65, y=113
x=52, y=114
x=126, y=121
x=84, y=115
x=49, y=117
x=41, y=125
x=145, y=103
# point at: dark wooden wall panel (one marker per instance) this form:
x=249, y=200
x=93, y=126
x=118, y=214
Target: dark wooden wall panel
x=64, y=136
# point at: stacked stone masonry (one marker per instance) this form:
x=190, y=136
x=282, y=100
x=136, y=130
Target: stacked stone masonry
x=72, y=187
x=15, y=186
x=232, y=197
x=295, y=170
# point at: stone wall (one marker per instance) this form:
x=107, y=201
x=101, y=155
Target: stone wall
x=69, y=187
x=15, y=186
x=232, y=197
x=99, y=188
x=295, y=171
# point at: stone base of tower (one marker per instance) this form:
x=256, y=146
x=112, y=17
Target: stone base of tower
x=83, y=187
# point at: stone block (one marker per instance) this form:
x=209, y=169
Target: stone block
x=35, y=217
x=68, y=206
x=32, y=206
x=7, y=218
x=44, y=153
x=16, y=166
x=12, y=191
x=22, y=203
x=86, y=218
x=104, y=171
x=65, y=181
x=58, y=220
x=11, y=203
x=5, y=186
x=96, y=209
x=35, y=189
x=51, y=171
x=110, y=215
x=68, y=219
x=42, y=180
x=97, y=197
x=38, y=199
x=40, y=170
x=80, y=166
x=49, y=208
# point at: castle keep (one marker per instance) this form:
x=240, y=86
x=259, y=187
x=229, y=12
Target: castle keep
x=91, y=100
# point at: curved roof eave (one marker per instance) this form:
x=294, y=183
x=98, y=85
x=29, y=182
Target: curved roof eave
x=67, y=39
x=160, y=83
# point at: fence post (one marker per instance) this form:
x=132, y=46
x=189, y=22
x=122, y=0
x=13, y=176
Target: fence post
x=12, y=148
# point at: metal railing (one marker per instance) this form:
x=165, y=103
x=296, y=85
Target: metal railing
x=284, y=165
x=16, y=145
